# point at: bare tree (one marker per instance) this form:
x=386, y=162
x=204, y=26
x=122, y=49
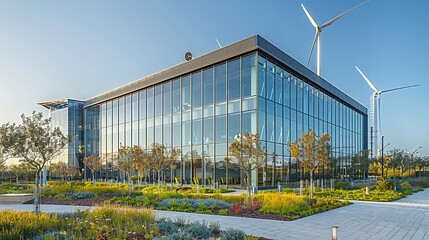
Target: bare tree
x=250, y=155
x=311, y=152
x=35, y=142
x=93, y=163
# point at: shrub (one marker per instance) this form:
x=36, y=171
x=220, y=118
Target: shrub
x=82, y=195
x=199, y=230
x=178, y=236
x=166, y=226
x=128, y=200
x=341, y=185
x=233, y=234
x=215, y=228
x=224, y=212
x=192, y=205
x=283, y=203
x=26, y=225
x=237, y=207
x=254, y=205
x=384, y=185
x=405, y=185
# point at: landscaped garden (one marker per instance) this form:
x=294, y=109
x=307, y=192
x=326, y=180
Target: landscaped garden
x=108, y=222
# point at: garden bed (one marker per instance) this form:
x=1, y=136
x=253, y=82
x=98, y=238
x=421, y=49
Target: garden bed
x=94, y=201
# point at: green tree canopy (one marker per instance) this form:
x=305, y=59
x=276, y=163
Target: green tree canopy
x=311, y=152
x=249, y=153
x=35, y=142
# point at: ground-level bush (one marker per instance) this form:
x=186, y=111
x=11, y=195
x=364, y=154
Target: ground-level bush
x=193, y=205
x=374, y=195
x=282, y=203
x=25, y=225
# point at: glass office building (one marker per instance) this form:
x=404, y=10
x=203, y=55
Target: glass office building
x=67, y=115
x=199, y=107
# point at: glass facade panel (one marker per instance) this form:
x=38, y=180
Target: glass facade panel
x=248, y=76
x=220, y=83
x=234, y=79
x=196, y=89
x=208, y=86
x=167, y=97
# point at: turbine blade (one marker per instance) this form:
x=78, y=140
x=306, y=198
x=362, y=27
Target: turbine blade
x=312, y=47
x=220, y=46
x=399, y=88
x=367, y=80
x=309, y=17
x=341, y=15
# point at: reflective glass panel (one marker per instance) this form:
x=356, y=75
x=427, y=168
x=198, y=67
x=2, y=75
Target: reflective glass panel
x=196, y=89
x=234, y=79
x=248, y=75
x=220, y=80
x=167, y=97
x=208, y=86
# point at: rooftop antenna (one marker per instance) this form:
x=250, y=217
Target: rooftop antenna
x=318, y=34
x=220, y=46
x=375, y=115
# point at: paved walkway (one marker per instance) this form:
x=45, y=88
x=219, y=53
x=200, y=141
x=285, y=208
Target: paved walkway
x=405, y=219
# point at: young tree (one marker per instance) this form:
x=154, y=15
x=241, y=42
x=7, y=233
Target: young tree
x=248, y=151
x=3, y=169
x=59, y=169
x=71, y=172
x=127, y=157
x=171, y=156
x=311, y=152
x=17, y=170
x=142, y=163
x=93, y=163
x=35, y=142
x=161, y=158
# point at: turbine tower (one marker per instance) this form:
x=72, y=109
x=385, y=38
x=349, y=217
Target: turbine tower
x=318, y=35
x=374, y=112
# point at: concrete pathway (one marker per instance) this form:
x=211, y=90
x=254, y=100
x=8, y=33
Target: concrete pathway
x=405, y=219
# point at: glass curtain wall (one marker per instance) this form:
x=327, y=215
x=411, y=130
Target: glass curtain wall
x=289, y=106
x=200, y=113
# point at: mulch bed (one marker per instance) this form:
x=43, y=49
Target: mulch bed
x=97, y=201
x=256, y=214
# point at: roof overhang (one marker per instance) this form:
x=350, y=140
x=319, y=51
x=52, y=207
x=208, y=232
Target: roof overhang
x=250, y=44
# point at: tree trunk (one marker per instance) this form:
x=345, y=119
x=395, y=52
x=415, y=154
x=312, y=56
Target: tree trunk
x=93, y=177
x=171, y=179
x=37, y=193
x=129, y=184
x=311, y=184
x=249, y=178
x=159, y=182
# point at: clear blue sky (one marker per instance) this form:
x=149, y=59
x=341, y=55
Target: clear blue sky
x=79, y=49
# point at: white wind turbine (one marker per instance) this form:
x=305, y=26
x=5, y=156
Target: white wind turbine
x=318, y=34
x=374, y=113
